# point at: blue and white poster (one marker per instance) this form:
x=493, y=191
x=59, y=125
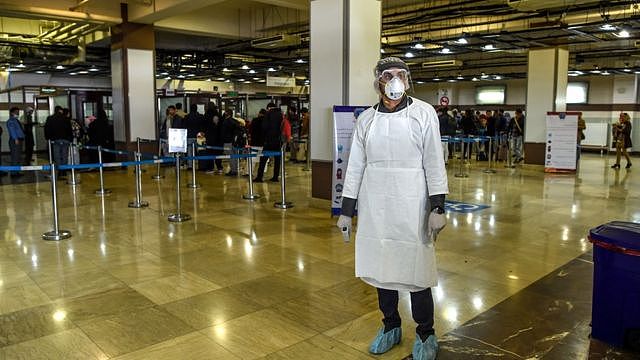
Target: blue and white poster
x=344, y=119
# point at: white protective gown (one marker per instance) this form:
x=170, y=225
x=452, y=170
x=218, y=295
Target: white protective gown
x=395, y=164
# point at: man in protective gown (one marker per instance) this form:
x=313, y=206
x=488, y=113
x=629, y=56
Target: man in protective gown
x=396, y=175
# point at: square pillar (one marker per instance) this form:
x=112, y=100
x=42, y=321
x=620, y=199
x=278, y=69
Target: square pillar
x=546, y=91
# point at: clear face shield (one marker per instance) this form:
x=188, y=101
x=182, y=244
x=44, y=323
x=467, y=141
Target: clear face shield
x=395, y=81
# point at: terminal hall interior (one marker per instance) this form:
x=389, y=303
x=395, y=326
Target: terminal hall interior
x=275, y=179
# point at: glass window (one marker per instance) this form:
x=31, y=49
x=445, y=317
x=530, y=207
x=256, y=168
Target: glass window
x=490, y=95
x=577, y=92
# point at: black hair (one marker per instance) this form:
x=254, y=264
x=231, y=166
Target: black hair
x=14, y=109
x=304, y=110
x=262, y=111
x=178, y=105
x=171, y=107
x=58, y=108
x=193, y=108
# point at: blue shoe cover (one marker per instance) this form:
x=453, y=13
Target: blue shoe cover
x=426, y=350
x=385, y=341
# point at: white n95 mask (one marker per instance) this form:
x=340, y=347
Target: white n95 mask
x=394, y=89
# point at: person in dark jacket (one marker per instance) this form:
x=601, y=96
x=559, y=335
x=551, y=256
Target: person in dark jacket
x=29, y=141
x=228, y=134
x=212, y=134
x=58, y=129
x=98, y=133
x=257, y=138
x=622, y=138
x=194, y=122
x=16, y=139
x=272, y=133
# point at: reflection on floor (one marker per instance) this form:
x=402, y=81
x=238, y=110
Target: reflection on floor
x=247, y=281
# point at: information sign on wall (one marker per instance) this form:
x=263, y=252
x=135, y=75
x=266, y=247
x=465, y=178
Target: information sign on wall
x=177, y=140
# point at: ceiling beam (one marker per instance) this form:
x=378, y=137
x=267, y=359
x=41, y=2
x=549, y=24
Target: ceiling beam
x=164, y=9
x=291, y=4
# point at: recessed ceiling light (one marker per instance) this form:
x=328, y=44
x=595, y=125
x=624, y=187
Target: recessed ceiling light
x=498, y=77
x=606, y=72
x=227, y=80
x=418, y=46
x=460, y=77
x=245, y=67
x=607, y=27
x=252, y=71
x=445, y=51
x=21, y=65
x=475, y=79
x=452, y=80
x=409, y=55
x=220, y=79
x=168, y=78
x=40, y=72
x=489, y=47
x=436, y=79
x=180, y=76
x=164, y=73
x=626, y=70
x=419, y=82
x=59, y=67
x=241, y=80
x=94, y=69
x=462, y=41
x=209, y=79
x=73, y=74
x=624, y=33
x=484, y=76
x=247, y=82
x=83, y=72
x=573, y=74
x=191, y=75
x=382, y=51
x=225, y=69
x=256, y=78
x=271, y=69
x=596, y=70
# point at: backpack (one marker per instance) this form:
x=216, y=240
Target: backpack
x=240, y=135
x=285, y=128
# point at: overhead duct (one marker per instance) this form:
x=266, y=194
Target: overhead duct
x=81, y=55
x=537, y=5
x=441, y=64
x=278, y=41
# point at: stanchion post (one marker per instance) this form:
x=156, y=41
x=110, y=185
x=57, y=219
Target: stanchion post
x=158, y=176
x=490, y=169
x=102, y=191
x=250, y=195
x=283, y=204
x=138, y=202
x=178, y=216
x=461, y=173
x=307, y=166
x=56, y=234
x=193, y=184
x=72, y=155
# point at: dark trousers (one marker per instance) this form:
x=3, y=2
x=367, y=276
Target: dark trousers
x=28, y=147
x=16, y=152
x=263, y=162
x=421, y=310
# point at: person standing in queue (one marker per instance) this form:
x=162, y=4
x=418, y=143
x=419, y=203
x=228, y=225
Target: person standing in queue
x=272, y=137
x=29, y=142
x=16, y=139
x=397, y=177
x=58, y=129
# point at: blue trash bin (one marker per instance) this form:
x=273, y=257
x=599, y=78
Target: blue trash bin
x=616, y=284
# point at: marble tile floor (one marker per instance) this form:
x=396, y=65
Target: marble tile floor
x=243, y=280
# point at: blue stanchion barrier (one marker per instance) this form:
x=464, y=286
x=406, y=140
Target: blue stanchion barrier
x=26, y=168
x=134, y=163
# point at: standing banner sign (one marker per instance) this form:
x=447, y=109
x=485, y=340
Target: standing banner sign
x=344, y=120
x=561, y=145
x=177, y=140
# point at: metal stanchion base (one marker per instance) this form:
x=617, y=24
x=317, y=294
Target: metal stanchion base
x=73, y=183
x=102, y=192
x=193, y=186
x=489, y=171
x=461, y=175
x=140, y=204
x=179, y=217
x=285, y=205
x=251, y=197
x=56, y=236
x=157, y=177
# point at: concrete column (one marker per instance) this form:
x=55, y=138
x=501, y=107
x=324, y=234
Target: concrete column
x=133, y=81
x=546, y=91
x=343, y=56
